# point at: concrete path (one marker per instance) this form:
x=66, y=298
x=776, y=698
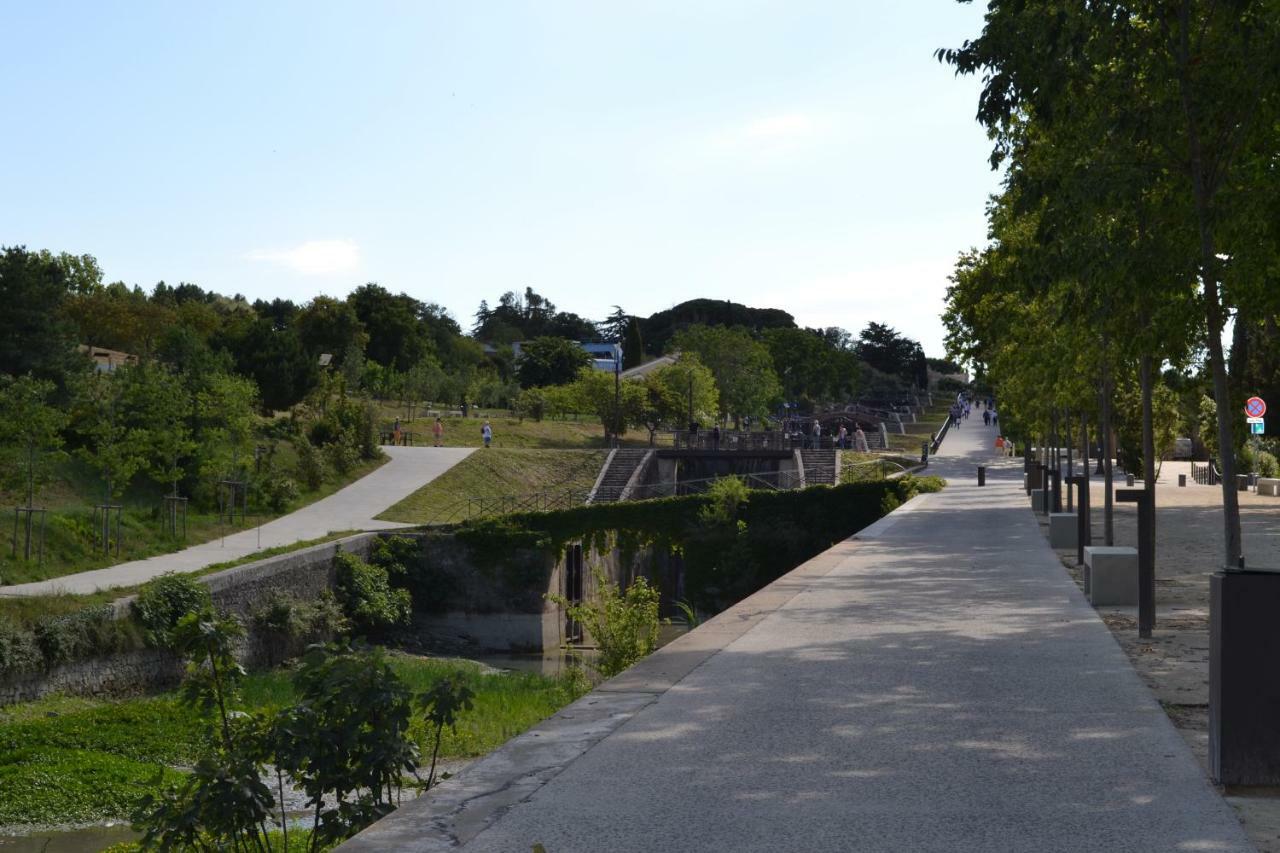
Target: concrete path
x=936, y=684
x=350, y=508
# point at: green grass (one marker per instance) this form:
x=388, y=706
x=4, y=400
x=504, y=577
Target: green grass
x=498, y=472
x=65, y=760
x=69, y=531
x=582, y=432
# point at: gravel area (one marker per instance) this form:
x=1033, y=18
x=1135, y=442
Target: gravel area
x=1174, y=663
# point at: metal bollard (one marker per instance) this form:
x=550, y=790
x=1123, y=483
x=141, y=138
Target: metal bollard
x=1182, y=480
x=1128, y=480
x=982, y=475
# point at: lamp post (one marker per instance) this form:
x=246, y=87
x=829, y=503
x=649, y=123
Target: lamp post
x=617, y=393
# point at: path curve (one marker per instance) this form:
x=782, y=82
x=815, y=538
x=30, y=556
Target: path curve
x=353, y=507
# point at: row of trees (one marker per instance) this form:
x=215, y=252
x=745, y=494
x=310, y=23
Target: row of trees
x=1138, y=210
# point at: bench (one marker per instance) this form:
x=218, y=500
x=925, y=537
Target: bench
x=1269, y=486
x=1111, y=575
x=1063, y=530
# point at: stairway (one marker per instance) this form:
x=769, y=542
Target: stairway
x=619, y=467
x=820, y=467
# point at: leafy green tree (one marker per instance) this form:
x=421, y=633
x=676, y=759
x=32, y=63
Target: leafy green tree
x=30, y=433
x=330, y=325
x=397, y=337
x=35, y=335
x=158, y=405
x=276, y=361
x=225, y=415
x=675, y=393
x=550, y=361
x=632, y=346
x=113, y=446
x=660, y=328
x=624, y=624
x=617, y=404
x=741, y=365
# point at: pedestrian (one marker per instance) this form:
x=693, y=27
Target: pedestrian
x=841, y=435
x=860, y=440
x=817, y=434
x=715, y=437
x=395, y=432
x=986, y=417
x=486, y=432
x=999, y=445
x=995, y=417
x=438, y=431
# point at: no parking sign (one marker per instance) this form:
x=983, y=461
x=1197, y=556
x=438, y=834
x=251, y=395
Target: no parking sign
x=1255, y=407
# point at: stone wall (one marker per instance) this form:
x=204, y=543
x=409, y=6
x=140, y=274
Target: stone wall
x=121, y=674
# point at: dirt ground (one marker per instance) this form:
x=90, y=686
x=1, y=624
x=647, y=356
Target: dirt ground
x=1175, y=661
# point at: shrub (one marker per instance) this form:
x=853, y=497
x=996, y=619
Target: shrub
x=1265, y=464
x=19, y=651
x=278, y=492
x=289, y=618
x=342, y=456
x=311, y=465
x=365, y=594
x=82, y=634
x=624, y=625
x=163, y=601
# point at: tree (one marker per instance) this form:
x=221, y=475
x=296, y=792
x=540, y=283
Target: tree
x=225, y=410
x=893, y=354
x=617, y=405
x=158, y=406
x=676, y=393
x=741, y=365
x=278, y=363
x=35, y=335
x=330, y=325
x=614, y=327
x=30, y=433
x=632, y=346
x=550, y=361
x=397, y=338
x=660, y=328
x=112, y=446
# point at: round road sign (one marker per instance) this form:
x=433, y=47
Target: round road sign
x=1255, y=407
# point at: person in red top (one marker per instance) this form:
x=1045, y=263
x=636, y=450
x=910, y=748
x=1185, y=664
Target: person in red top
x=438, y=431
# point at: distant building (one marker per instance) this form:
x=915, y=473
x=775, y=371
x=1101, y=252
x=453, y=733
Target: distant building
x=106, y=360
x=605, y=356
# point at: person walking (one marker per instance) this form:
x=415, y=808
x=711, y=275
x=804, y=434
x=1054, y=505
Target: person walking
x=438, y=431
x=860, y=440
x=841, y=435
x=715, y=437
x=817, y=434
x=486, y=433
x=395, y=432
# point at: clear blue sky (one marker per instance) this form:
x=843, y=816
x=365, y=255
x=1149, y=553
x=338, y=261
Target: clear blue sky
x=811, y=156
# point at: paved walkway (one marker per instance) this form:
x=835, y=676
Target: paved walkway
x=938, y=684
x=350, y=508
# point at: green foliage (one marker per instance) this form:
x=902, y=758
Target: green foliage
x=1208, y=424
x=364, y=591
x=742, y=367
x=30, y=433
x=19, y=651
x=311, y=464
x=85, y=633
x=724, y=498
x=632, y=345
x=164, y=601
x=1265, y=464
x=288, y=624
x=623, y=625
x=441, y=706
x=36, y=337
x=550, y=361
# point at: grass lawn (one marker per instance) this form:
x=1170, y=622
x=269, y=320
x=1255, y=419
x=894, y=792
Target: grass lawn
x=583, y=432
x=67, y=760
x=69, y=530
x=494, y=473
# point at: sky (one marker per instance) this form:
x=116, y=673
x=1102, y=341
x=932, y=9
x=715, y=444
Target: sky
x=809, y=156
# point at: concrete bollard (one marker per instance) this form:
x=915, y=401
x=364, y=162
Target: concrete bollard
x=1182, y=480
x=1128, y=480
x=1242, y=482
x=982, y=475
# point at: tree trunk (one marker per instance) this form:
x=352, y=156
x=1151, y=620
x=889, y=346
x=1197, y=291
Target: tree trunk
x=1214, y=309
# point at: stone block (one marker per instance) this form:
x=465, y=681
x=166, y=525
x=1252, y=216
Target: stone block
x=1269, y=486
x=1063, y=530
x=1112, y=575
x=1037, y=500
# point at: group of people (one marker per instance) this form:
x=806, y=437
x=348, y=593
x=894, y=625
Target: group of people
x=841, y=439
x=990, y=417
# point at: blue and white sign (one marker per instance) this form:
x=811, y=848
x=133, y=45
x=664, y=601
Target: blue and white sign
x=1258, y=426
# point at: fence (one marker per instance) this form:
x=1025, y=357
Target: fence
x=1207, y=474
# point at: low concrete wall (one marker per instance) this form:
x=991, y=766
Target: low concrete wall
x=121, y=674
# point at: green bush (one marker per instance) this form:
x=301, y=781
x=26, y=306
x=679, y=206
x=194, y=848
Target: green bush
x=365, y=594
x=1265, y=464
x=86, y=633
x=311, y=464
x=624, y=625
x=19, y=651
x=289, y=618
x=163, y=601
x=342, y=455
x=278, y=492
